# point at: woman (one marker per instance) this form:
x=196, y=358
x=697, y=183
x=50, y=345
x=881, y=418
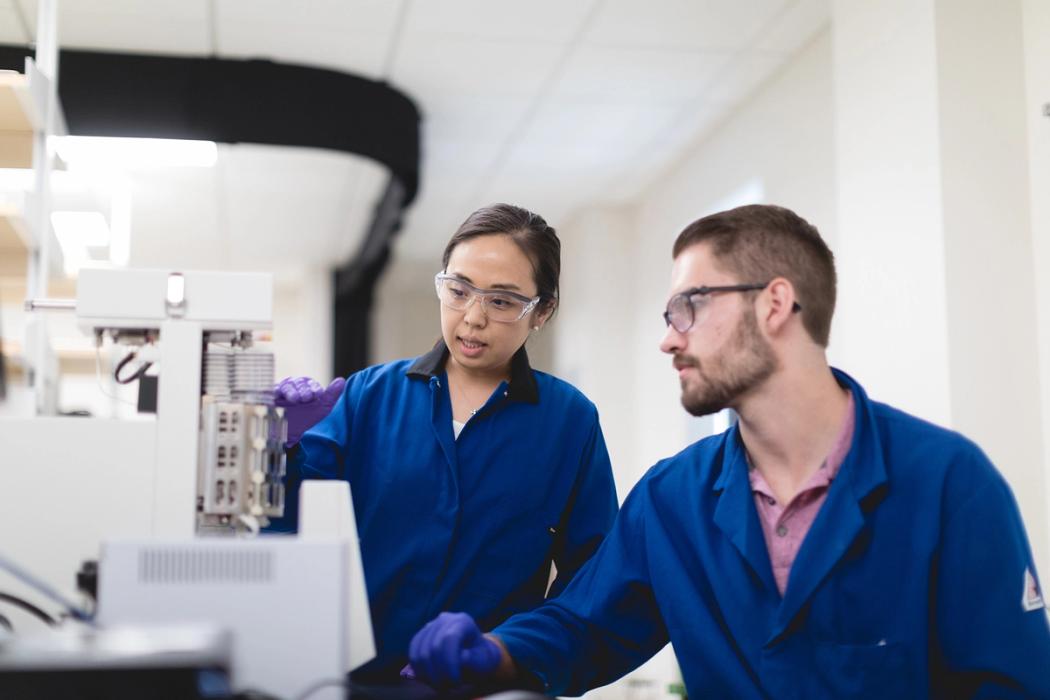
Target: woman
x=470, y=471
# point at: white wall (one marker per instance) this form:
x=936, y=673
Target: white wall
x=405, y=321
x=1036, y=18
x=594, y=329
x=302, y=326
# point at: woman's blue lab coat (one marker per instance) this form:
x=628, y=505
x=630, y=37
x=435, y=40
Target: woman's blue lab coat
x=469, y=524
x=913, y=581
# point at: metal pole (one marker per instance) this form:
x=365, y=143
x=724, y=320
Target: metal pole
x=40, y=260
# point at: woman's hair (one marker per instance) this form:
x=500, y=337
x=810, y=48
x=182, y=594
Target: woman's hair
x=530, y=232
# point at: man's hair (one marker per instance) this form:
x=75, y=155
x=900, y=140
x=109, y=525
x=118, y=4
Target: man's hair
x=760, y=242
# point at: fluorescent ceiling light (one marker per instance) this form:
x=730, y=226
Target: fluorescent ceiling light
x=106, y=153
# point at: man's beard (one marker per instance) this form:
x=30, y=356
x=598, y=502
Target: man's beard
x=746, y=362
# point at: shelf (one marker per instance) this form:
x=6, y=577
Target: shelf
x=14, y=242
x=21, y=114
x=17, y=238
x=22, y=100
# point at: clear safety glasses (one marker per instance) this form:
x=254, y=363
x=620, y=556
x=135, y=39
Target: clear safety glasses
x=682, y=308
x=498, y=305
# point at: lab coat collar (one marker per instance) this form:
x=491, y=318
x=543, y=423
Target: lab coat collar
x=837, y=526
x=522, y=386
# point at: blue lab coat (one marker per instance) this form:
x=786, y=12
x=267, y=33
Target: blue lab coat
x=910, y=583
x=469, y=524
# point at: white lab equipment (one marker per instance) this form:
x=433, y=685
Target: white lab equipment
x=283, y=599
x=202, y=474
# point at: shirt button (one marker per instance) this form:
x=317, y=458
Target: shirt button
x=782, y=530
x=771, y=501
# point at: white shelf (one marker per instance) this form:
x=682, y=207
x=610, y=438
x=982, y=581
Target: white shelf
x=23, y=97
x=18, y=237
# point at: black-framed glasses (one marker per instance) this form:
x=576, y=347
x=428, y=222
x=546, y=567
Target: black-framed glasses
x=498, y=305
x=681, y=309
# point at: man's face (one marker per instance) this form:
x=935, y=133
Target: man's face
x=723, y=356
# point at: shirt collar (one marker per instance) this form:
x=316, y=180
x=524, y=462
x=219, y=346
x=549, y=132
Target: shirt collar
x=828, y=469
x=864, y=462
x=522, y=386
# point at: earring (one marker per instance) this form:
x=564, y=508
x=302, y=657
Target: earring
x=535, y=328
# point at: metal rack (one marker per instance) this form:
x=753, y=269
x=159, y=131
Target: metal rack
x=30, y=116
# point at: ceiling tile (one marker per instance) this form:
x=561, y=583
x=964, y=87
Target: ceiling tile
x=158, y=26
x=567, y=133
x=458, y=160
x=549, y=21
x=356, y=16
x=683, y=24
x=349, y=36
x=660, y=153
x=795, y=26
x=359, y=54
x=746, y=72
x=642, y=74
x=472, y=117
x=439, y=67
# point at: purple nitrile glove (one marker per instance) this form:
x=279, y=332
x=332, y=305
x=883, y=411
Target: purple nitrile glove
x=305, y=402
x=448, y=646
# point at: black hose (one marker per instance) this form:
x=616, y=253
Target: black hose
x=28, y=607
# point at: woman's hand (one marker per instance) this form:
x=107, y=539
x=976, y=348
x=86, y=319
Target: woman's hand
x=305, y=403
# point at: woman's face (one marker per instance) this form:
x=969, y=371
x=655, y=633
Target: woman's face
x=476, y=343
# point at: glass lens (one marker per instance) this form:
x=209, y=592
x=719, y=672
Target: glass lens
x=680, y=312
x=454, y=294
x=501, y=307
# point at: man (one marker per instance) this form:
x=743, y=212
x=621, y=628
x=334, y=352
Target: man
x=825, y=546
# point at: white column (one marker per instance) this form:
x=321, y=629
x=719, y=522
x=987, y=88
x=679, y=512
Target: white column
x=1036, y=16
x=992, y=317
x=178, y=425
x=891, y=324
x=938, y=297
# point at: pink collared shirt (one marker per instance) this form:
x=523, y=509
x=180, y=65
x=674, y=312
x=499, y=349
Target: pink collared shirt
x=785, y=527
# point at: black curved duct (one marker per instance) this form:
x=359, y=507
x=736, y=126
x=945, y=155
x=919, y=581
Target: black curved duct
x=256, y=101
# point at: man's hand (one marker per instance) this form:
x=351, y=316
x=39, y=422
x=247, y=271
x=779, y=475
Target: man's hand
x=451, y=649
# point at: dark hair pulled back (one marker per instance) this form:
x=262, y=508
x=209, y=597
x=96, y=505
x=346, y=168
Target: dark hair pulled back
x=530, y=232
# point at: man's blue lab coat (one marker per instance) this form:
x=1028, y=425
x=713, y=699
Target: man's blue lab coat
x=911, y=582
x=469, y=524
